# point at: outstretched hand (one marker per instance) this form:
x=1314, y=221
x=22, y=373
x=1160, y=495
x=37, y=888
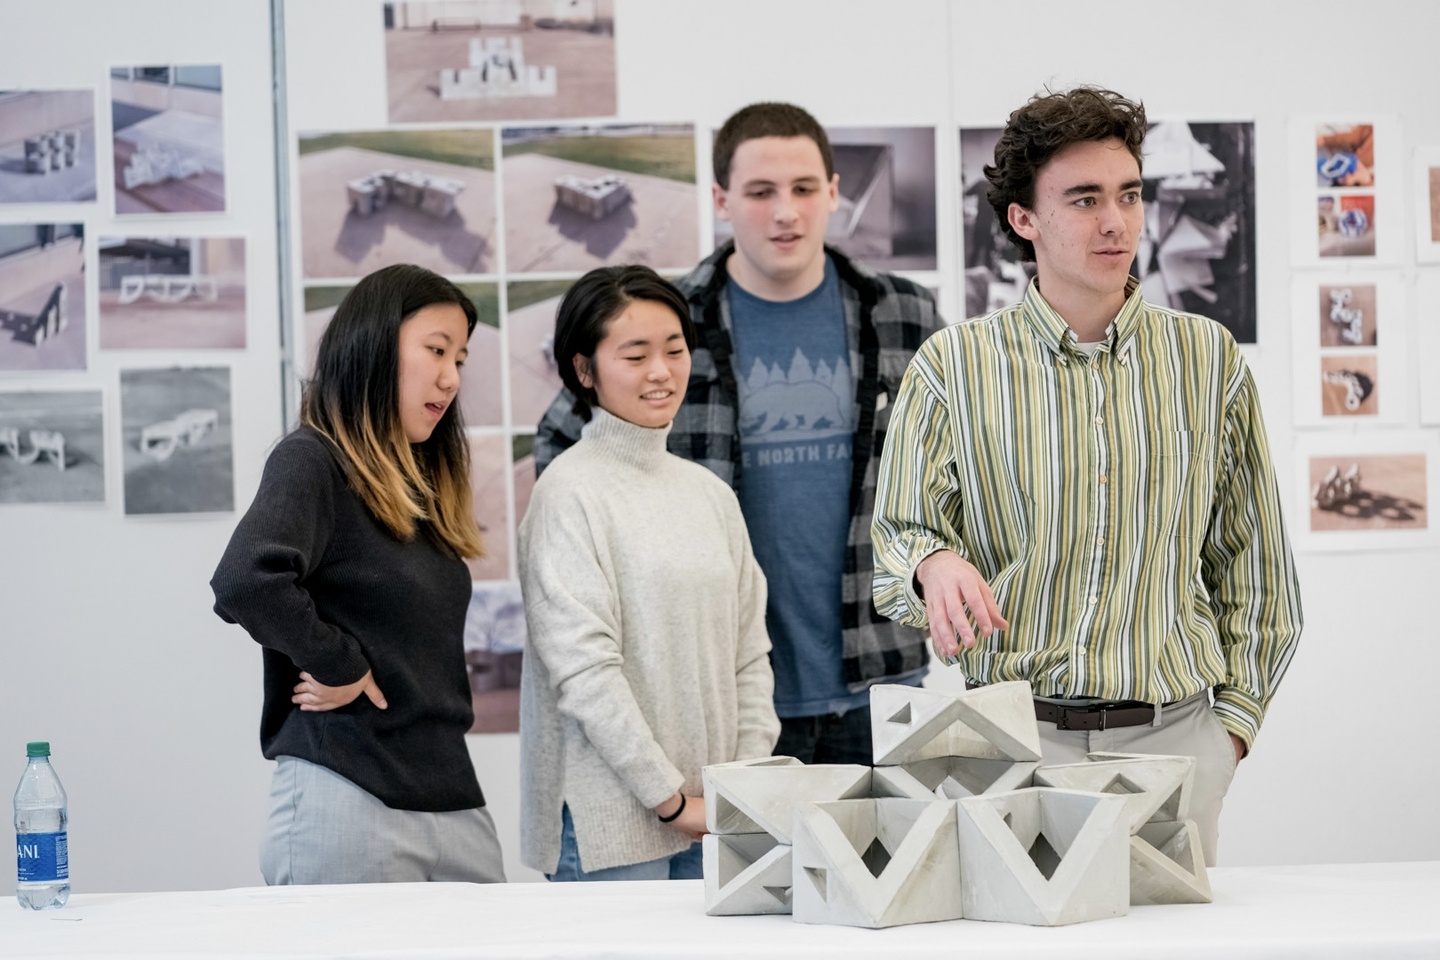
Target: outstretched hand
x=954, y=593
x=311, y=694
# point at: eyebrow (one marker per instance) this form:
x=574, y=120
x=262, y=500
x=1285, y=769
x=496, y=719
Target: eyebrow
x=767, y=182
x=639, y=342
x=1082, y=188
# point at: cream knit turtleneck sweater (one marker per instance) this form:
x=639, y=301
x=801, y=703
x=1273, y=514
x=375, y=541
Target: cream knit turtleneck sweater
x=647, y=656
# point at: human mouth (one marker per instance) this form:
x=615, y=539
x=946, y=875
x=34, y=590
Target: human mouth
x=657, y=395
x=436, y=410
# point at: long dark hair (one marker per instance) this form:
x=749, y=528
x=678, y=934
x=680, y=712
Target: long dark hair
x=353, y=400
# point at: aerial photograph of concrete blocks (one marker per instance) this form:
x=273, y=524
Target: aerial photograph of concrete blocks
x=42, y=296
x=887, y=215
x=52, y=446
x=372, y=198
x=175, y=427
x=530, y=333
x=584, y=196
x=172, y=293
x=481, y=393
x=489, y=462
x=499, y=59
x=494, y=651
x=169, y=139
x=47, y=146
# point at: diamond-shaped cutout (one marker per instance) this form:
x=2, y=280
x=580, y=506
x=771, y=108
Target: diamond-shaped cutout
x=817, y=877
x=876, y=858
x=1044, y=856
x=1122, y=786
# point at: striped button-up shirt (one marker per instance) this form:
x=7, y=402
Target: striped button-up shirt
x=1122, y=506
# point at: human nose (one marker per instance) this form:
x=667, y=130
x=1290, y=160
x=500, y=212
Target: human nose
x=449, y=378
x=1112, y=218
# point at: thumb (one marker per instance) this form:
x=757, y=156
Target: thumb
x=376, y=697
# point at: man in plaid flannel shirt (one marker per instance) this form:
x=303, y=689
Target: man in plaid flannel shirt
x=820, y=344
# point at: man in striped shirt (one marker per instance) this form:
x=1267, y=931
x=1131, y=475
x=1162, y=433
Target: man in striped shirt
x=1077, y=491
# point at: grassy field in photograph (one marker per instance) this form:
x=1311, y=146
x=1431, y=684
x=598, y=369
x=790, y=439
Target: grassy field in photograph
x=670, y=157
x=466, y=148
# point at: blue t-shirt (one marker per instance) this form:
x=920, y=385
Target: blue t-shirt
x=797, y=420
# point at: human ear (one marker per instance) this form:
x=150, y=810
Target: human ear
x=722, y=210
x=833, y=188
x=1022, y=221
x=582, y=371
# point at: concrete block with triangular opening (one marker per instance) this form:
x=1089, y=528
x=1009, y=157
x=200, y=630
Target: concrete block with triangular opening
x=758, y=796
x=876, y=863
x=1167, y=865
x=950, y=778
x=746, y=873
x=1044, y=856
x=995, y=722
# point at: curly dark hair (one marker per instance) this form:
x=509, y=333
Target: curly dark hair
x=1042, y=128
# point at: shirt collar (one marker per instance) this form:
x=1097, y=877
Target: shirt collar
x=1054, y=332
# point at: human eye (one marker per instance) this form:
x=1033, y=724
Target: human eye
x=1131, y=196
x=1084, y=202
x=678, y=351
x=758, y=193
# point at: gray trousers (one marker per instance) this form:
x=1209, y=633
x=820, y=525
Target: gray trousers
x=324, y=829
x=1187, y=729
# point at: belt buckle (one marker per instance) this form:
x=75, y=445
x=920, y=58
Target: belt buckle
x=1063, y=721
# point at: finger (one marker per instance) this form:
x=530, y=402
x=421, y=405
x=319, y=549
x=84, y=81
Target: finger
x=959, y=622
x=376, y=697
x=942, y=634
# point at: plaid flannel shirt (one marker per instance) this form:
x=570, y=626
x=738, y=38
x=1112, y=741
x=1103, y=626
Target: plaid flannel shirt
x=886, y=320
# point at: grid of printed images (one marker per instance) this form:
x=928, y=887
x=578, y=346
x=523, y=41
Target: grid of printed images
x=1345, y=177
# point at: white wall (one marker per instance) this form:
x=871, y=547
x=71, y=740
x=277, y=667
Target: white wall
x=152, y=703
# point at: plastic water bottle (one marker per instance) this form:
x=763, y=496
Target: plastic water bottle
x=41, y=849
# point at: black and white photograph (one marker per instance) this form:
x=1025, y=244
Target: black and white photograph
x=489, y=465
x=887, y=215
x=175, y=430
x=171, y=293
x=530, y=336
x=52, y=446
x=371, y=198
x=47, y=146
x=42, y=296
x=1197, y=251
x=582, y=197
x=169, y=143
x=494, y=654
x=500, y=60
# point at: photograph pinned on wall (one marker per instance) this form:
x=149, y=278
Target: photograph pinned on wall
x=1348, y=348
x=494, y=654
x=481, y=395
x=1346, y=190
x=1427, y=301
x=581, y=197
x=1366, y=491
x=887, y=213
x=47, y=146
x=530, y=333
x=1427, y=204
x=371, y=198
x=522, y=452
x=489, y=466
x=169, y=143
x=175, y=427
x=172, y=293
x=52, y=446
x=463, y=60
x=1196, y=252
x=42, y=296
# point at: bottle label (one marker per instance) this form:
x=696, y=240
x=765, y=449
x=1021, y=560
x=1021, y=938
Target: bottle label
x=42, y=857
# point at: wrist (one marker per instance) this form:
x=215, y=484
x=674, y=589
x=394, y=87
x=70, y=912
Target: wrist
x=668, y=811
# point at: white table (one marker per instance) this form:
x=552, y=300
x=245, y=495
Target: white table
x=1347, y=912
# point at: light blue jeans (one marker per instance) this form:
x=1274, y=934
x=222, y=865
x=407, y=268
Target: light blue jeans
x=324, y=829
x=685, y=865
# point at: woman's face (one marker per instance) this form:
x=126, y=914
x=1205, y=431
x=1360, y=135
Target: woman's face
x=432, y=350
x=640, y=368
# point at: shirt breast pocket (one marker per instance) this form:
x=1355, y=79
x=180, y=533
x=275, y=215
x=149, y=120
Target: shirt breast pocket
x=1180, y=487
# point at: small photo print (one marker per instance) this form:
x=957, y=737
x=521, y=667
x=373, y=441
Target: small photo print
x=1348, y=386
x=1345, y=155
x=523, y=450
x=47, y=146
x=530, y=333
x=42, y=296
x=1368, y=492
x=1346, y=225
x=176, y=435
x=372, y=198
x=52, y=446
x=1348, y=315
x=169, y=145
x=577, y=198
x=500, y=60
x=489, y=463
x=166, y=293
x=494, y=655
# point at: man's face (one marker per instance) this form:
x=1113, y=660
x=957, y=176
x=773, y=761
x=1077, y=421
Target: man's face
x=1085, y=224
x=779, y=203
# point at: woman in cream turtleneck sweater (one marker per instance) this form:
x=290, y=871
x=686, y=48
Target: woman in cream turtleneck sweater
x=648, y=656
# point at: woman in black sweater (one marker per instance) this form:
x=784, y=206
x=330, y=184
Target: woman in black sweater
x=348, y=570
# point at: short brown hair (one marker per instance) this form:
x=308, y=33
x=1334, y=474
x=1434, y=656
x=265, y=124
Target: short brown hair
x=766, y=120
x=1042, y=128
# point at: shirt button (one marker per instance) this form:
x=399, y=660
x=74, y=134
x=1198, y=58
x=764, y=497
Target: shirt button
x=1100, y=541
x=1104, y=479
x=1099, y=419
x=1092, y=601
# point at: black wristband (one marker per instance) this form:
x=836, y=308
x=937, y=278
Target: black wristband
x=678, y=810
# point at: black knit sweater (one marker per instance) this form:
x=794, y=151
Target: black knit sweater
x=324, y=587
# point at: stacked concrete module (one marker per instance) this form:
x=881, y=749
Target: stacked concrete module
x=497, y=69
x=432, y=195
x=51, y=151
x=596, y=198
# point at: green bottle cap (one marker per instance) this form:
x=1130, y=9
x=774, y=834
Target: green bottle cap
x=37, y=748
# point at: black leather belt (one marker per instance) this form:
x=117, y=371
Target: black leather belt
x=1099, y=715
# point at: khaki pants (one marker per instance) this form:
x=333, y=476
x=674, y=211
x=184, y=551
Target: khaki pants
x=1190, y=729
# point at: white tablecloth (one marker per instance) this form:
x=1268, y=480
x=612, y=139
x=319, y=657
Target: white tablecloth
x=1347, y=912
